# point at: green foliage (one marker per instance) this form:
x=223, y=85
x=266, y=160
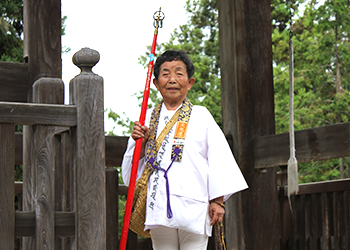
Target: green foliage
x=11, y=31
x=321, y=71
x=11, y=28
x=122, y=121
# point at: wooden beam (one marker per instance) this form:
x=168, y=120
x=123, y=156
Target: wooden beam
x=322, y=187
x=115, y=149
x=34, y=113
x=248, y=112
x=315, y=144
x=64, y=224
x=13, y=82
x=122, y=189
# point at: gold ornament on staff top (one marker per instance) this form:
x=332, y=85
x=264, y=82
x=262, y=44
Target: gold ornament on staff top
x=158, y=17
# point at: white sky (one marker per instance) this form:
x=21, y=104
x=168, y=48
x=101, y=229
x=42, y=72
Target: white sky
x=120, y=32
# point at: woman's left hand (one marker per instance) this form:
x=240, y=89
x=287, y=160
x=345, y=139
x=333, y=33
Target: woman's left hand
x=216, y=212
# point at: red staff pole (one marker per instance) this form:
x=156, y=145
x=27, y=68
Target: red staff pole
x=158, y=18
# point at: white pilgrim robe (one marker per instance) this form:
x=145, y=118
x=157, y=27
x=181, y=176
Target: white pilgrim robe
x=207, y=170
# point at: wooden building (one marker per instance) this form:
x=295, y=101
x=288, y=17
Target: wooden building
x=70, y=190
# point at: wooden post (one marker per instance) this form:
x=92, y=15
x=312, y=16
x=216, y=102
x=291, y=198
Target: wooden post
x=39, y=167
x=42, y=51
x=251, y=218
x=64, y=181
x=7, y=187
x=112, y=200
x=42, y=40
x=86, y=92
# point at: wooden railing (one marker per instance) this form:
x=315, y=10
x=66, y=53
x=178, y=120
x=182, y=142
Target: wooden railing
x=63, y=157
x=318, y=218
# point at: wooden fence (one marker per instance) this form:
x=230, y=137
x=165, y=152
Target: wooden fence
x=64, y=201
x=320, y=217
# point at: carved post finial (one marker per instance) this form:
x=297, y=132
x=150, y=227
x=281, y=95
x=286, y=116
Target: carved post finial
x=85, y=59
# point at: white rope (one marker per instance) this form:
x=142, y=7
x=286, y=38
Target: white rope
x=293, y=184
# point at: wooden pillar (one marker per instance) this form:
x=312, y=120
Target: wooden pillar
x=64, y=181
x=86, y=92
x=248, y=112
x=7, y=187
x=42, y=40
x=42, y=51
x=39, y=167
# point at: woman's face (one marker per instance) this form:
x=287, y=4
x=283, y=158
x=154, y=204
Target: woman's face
x=173, y=83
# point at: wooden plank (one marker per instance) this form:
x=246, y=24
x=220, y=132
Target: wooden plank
x=64, y=183
x=7, y=191
x=30, y=114
x=248, y=112
x=122, y=189
x=115, y=149
x=44, y=158
x=284, y=209
x=315, y=144
x=322, y=187
x=13, y=82
x=29, y=173
x=86, y=92
x=18, y=187
x=18, y=148
x=45, y=90
x=112, y=200
x=64, y=224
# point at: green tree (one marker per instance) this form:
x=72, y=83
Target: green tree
x=11, y=29
x=321, y=39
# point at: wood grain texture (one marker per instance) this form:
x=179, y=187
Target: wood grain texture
x=86, y=92
x=29, y=174
x=44, y=162
x=115, y=147
x=314, y=144
x=42, y=40
x=7, y=190
x=13, y=82
x=248, y=112
x=34, y=113
x=64, y=224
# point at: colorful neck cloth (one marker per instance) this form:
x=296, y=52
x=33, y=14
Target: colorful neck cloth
x=152, y=145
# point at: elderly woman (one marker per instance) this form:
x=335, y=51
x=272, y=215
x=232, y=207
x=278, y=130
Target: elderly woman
x=193, y=170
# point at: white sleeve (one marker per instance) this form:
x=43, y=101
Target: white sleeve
x=225, y=177
x=127, y=163
x=129, y=153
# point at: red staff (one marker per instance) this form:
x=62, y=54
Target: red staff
x=158, y=19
